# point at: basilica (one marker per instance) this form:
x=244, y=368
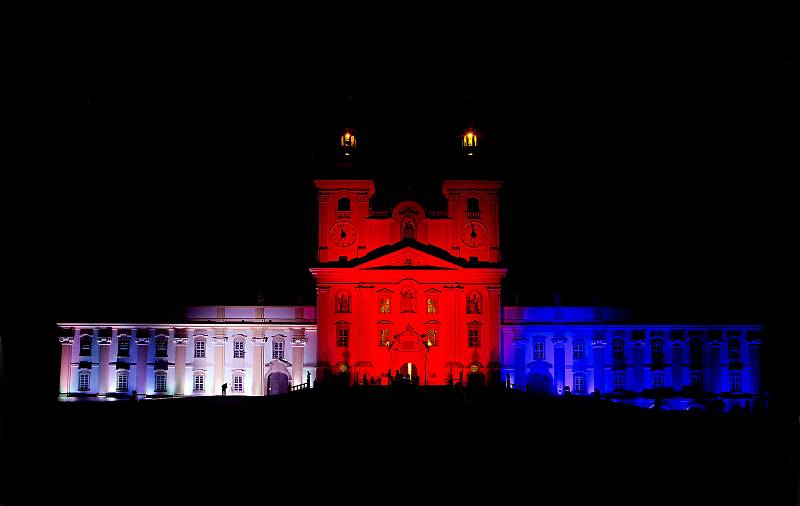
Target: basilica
x=412, y=294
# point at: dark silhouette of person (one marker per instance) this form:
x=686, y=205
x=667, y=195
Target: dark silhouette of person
x=224, y=388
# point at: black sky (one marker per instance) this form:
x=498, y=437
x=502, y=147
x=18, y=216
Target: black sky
x=640, y=163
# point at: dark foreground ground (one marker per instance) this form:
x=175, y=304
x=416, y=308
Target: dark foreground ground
x=382, y=446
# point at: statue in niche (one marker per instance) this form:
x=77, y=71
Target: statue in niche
x=408, y=300
x=343, y=303
x=408, y=229
x=474, y=303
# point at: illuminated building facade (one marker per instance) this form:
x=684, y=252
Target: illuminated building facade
x=411, y=294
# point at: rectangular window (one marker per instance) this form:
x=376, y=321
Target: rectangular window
x=578, y=352
x=238, y=349
x=238, y=383
x=200, y=348
x=473, y=338
x=83, y=380
x=696, y=379
x=124, y=347
x=432, y=336
x=277, y=350
x=86, y=346
x=122, y=381
x=342, y=336
x=161, y=347
x=618, y=349
x=658, y=381
x=578, y=381
x=385, y=334
x=199, y=383
x=736, y=382
x=161, y=382
x=657, y=349
x=619, y=383
x=432, y=305
x=385, y=305
x=538, y=350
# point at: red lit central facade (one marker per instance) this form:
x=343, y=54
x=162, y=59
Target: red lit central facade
x=408, y=291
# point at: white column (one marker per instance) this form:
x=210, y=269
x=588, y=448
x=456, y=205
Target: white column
x=180, y=340
x=258, y=361
x=299, y=341
x=66, y=364
x=141, y=365
x=219, y=364
x=104, y=344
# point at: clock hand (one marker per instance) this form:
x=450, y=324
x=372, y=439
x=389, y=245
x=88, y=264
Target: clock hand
x=343, y=234
x=473, y=234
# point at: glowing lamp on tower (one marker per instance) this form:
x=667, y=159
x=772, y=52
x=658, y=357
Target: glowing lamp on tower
x=470, y=142
x=348, y=142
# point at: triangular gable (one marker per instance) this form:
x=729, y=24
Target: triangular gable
x=408, y=258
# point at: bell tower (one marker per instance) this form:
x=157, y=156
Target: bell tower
x=343, y=211
x=473, y=207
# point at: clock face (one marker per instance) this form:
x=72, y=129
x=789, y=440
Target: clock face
x=474, y=234
x=342, y=233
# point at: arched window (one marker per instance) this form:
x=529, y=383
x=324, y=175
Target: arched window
x=432, y=337
x=83, y=380
x=123, y=346
x=734, y=349
x=199, y=384
x=736, y=382
x=578, y=350
x=161, y=346
x=343, y=335
x=696, y=353
x=86, y=345
x=619, y=382
x=238, y=382
x=238, y=347
x=579, y=383
x=473, y=205
x=385, y=337
x=122, y=381
x=657, y=351
x=278, y=348
x=161, y=381
x=618, y=348
x=343, y=204
x=538, y=350
x=200, y=347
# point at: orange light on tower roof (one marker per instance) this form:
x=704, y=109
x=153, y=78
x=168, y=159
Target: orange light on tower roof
x=470, y=142
x=348, y=142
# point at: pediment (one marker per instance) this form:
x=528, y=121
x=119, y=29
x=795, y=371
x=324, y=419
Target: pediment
x=408, y=258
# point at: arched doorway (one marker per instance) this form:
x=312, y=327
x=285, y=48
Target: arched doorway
x=408, y=373
x=277, y=383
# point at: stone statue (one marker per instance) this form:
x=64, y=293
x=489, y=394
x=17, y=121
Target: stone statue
x=343, y=303
x=408, y=300
x=473, y=303
x=408, y=230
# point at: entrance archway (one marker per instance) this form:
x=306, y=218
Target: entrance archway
x=277, y=383
x=408, y=373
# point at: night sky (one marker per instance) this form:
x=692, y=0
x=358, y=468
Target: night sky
x=644, y=164
x=638, y=172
